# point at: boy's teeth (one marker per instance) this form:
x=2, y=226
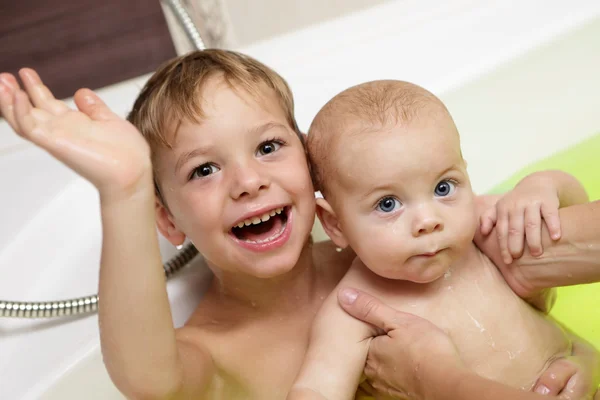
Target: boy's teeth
x=260, y=218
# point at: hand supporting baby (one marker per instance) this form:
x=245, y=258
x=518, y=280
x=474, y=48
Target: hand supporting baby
x=414, y=359
x=519, y=217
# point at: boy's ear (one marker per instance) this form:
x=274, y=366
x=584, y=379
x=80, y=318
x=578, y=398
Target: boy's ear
x=165, y=224
x=330, y=223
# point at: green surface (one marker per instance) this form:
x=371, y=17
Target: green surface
x=578, y=307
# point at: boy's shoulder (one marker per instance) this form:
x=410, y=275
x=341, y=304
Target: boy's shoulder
x=332, y=261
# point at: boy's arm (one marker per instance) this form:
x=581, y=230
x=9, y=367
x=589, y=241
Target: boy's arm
x=336, y=356
x=139, y=346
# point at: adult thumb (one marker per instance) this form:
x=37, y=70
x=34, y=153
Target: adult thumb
x=369, y=309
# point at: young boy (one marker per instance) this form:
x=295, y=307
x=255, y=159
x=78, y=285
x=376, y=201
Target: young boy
x=386, y=156
x=222, y=152
x=221, y=162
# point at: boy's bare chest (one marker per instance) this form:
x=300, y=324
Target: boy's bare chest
x=260, y=361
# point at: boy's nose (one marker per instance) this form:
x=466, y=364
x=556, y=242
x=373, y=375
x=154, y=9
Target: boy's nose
x=248, y=182
x=426, y=221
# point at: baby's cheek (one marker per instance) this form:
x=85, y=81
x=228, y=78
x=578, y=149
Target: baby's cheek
x=466, y=223
x=386, y=251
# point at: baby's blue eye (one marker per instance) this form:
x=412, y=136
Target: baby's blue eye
x=388, y=204
x=445, y=188
x=204, y=170
x=268, y=147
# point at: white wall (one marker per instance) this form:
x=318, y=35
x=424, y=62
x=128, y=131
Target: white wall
x=255, y=20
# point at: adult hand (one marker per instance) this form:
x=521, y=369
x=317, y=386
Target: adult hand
x=541, y=298
x=409, y=356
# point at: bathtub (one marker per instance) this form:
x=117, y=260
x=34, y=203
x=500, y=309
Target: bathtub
x=519, y=77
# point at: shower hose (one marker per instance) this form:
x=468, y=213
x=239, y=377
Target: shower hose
x=89, y=304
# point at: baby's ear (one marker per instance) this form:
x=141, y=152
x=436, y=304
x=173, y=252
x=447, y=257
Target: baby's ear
x=166, y=226
x=330, y=223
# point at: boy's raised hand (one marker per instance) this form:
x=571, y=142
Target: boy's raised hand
x=93, y=141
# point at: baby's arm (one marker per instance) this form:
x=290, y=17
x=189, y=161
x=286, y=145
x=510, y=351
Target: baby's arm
x=571, y=260
x=140, y=349
x=336, y=355
x=520, y=214
x=538, y=195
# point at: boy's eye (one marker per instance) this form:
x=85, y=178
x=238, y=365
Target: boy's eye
x=445, y=188
x=204, y=170
x=388, y=204
x=268, y=147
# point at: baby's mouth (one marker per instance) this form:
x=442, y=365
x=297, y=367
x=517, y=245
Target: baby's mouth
x=262, y=228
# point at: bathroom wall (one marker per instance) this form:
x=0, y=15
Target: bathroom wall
x=239, y=23
x=262, y=19
x=83, y=43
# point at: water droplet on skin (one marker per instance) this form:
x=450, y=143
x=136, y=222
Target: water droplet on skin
x=447, y=274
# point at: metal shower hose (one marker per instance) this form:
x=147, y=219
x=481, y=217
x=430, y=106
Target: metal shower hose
x=89, y=304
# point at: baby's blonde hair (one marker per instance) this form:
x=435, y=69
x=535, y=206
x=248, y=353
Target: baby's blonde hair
x=367, y=107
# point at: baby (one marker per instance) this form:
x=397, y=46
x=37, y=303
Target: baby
x=386, y=156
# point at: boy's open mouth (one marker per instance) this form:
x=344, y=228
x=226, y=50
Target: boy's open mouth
x=262, y=228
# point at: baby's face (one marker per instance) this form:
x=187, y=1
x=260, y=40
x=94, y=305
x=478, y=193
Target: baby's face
x=237, y=184
x=404, y=200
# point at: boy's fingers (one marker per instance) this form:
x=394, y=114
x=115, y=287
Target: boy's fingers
x=90, y=104
x=24, y=121
x=552, y=220
x=533, y=230
x=368, y=309
x=9, y=80
x=40, y=95
x=516, y=233
x=7, y=109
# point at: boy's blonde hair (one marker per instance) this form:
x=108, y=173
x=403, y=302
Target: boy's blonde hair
x=172, y=94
